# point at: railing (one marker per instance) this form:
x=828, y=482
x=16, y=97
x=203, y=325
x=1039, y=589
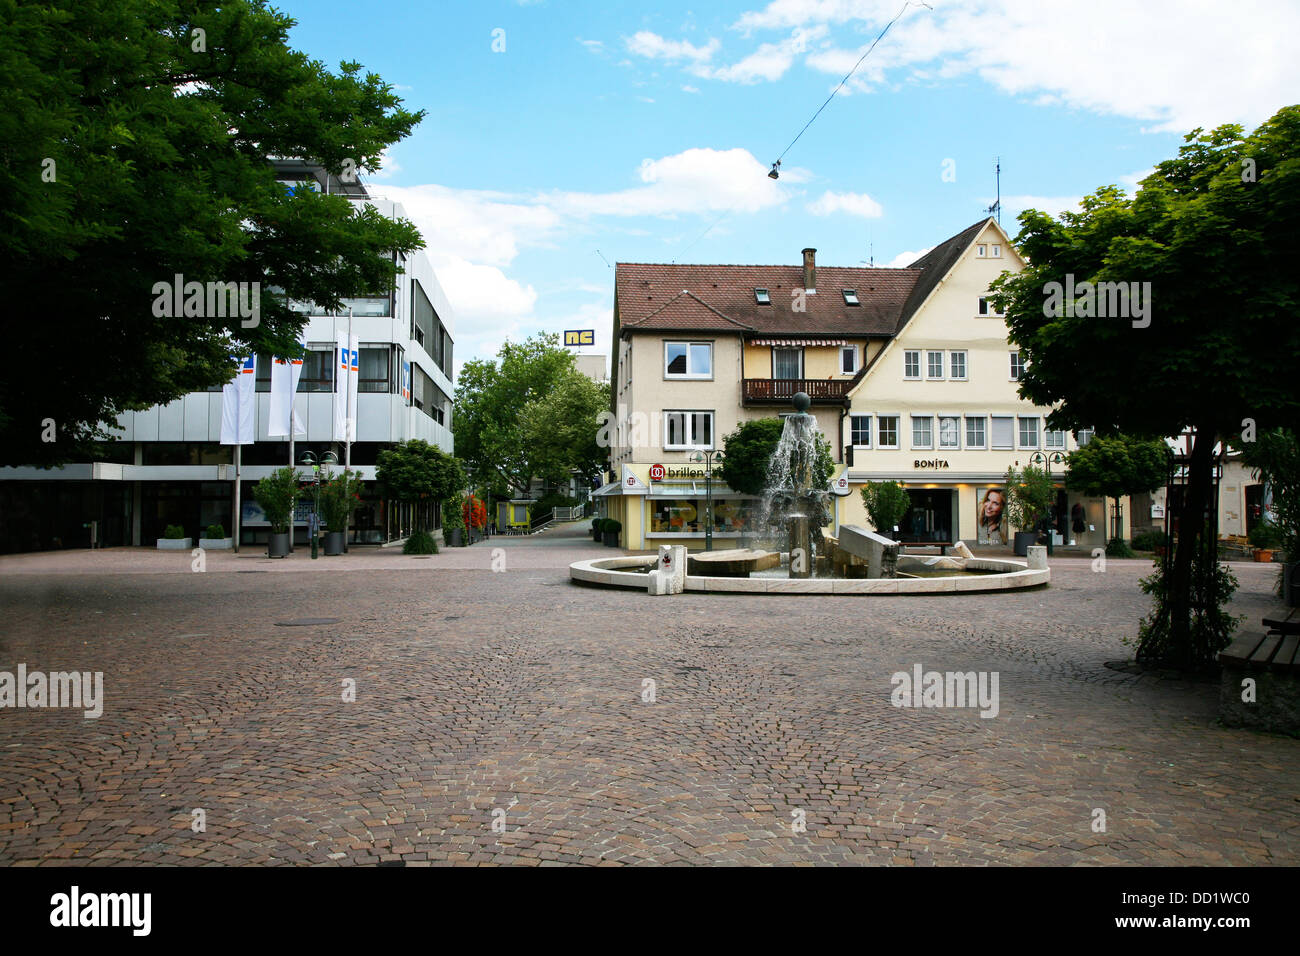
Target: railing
x=568, y=514
x=820, y=390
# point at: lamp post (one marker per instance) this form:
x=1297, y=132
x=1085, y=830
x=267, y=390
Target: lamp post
x=308, y=459
x=1046, y=460
x=708, y=457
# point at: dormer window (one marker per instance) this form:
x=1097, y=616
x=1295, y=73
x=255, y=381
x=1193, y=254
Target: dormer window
x=851, y=297
x=761, y=297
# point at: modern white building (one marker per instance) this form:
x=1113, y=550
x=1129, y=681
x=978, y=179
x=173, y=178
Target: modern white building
x=166, y=464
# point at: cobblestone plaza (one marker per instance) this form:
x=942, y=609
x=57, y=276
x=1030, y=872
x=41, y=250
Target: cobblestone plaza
x=505, y=717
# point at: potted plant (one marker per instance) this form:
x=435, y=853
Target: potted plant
x=474, y=513
x=597, y=526
x=214, y=539
x=339, y=497
x=173, y=539
x=1265, y=538
x=1029, y=495
x=453, y=524
x=886, y=502
x=610, y=530
x=277, y=494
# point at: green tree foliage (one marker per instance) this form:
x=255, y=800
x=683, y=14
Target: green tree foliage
x=1116, y=466
x=339, y=497
x=277, y=493
x=1216, y=233
x=1030, y=493
x=415, y=471
x=887, y=502
x=135, y=148
x=527, y=414
x=748, y=450
x=1275, y=458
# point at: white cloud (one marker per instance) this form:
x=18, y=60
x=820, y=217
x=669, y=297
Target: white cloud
x=652, y=45
x=1174, y=64
x=595, y=46
x=904, y=259
x=855, y=204
x=689, y=89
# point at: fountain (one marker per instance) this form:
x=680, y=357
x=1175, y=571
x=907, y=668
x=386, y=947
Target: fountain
x=794, y=500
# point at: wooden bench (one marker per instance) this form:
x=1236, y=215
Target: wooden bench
x=1271, y=661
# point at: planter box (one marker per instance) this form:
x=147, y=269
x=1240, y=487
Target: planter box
x=455, y=538
x=175, y=544
x=333, y=543
x=611, y=539
x=216, y=544
x=1023, y=540
x=1291, y=584
x=277, y=545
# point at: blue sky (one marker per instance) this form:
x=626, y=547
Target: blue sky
x=646, y=133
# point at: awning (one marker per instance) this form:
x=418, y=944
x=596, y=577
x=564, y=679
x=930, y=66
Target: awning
x=796, y=343
x=690, y=489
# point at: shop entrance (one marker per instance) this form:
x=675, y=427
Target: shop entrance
x=930, y=519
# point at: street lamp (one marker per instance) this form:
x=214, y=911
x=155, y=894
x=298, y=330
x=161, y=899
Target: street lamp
x=308, y=459
x=708, y=457
x=1046, y=460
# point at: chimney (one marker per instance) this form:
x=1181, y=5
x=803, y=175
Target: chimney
x=810, y=269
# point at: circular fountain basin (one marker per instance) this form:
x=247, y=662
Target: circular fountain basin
x=1003, y=575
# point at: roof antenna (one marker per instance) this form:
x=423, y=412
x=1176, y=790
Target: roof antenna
x=997, y=205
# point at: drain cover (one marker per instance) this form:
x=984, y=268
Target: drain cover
x=307, y=621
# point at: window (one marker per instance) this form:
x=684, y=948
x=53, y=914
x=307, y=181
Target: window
x=851, y=297
x=981, y=250
x=1004, y=432
x=317, y=371
x=922, y=431
x=688, y=359
x=683, y=430
x=762, y=297
x=1054, y=438
x=995, y=251
x=1082, y=438
x=1029, y=433
x=372, y=375
x=911, y=364
x=957, y=365
x=787, y=363
x=887, y=431
x=949, y=431
x=860, y=430
x=934, y=365
x=849, y=359
x=975, y=432
x=1017, y=367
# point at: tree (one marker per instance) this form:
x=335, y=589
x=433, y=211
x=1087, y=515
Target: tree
x=414, y=471
x=747, y=452
x=135, y=143
x=1116, y=466
x=527, y=414
x=1029, y=495
x=1275, y=458
x=1200, y=336
x=887, y=502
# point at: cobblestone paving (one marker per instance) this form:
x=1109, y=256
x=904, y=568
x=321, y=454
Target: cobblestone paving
x=520, y=692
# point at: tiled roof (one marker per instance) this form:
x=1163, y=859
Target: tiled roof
x=658, y=296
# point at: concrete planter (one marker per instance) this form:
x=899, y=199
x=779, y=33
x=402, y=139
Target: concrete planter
x=277, y=545
x=1023, y=540
x=333, y=543
x=455, y=538
x=175, y=544
x=216, y=544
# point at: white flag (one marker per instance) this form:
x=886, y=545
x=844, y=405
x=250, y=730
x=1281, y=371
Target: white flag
x=238, y=405
x=285, y=374
x=347, y=363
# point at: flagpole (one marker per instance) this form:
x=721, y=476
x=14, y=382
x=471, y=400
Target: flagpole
x=238, y=508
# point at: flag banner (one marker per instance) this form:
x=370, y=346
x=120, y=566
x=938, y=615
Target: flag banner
x=285, y=374
x=238, y=405
x=354, y=379
x=406, y=383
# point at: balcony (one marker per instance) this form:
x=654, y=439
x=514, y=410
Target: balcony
x=779, y=391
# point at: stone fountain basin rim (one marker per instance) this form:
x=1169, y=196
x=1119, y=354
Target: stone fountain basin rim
x=1014, y=576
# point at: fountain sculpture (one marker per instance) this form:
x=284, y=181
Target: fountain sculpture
x=796, y=500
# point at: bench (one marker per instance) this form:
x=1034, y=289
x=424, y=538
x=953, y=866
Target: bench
x=1271, y=659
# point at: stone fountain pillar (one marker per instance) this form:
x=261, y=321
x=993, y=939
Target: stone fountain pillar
x=801, y=555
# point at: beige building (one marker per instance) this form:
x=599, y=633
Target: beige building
x=909, y=371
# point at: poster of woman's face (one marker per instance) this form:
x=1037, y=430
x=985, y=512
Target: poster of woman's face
x=992, y=517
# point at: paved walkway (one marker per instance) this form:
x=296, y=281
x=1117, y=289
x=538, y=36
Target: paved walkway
x=514, y=698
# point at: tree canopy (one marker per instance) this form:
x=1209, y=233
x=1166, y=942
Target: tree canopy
x=413, y=470
x=747, y=451
x=1195, y=331
x=1116, y=466
x=527, y=414
x=134, y=147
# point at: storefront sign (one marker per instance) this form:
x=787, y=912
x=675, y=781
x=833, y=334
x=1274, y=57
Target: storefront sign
x=840, y=486
x=659, y=472
x=656, y=472
x=929, y=463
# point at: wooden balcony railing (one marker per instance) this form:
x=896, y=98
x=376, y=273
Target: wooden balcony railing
x=823, y=391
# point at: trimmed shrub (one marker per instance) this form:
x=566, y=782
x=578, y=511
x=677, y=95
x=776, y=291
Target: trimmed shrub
x=1118, y=548
x=1148, y=540
x=611, y=526
x=214, y=531
x=174, y=532
x=420, y=542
